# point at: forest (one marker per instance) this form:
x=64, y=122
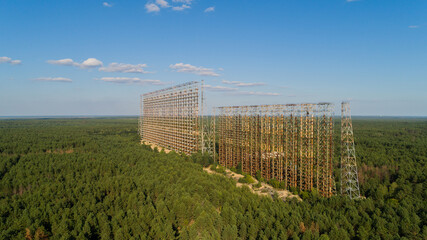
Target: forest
x=90, y=178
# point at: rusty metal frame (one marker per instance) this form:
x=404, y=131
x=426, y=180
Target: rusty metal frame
x=291, y=143
x=172, y=118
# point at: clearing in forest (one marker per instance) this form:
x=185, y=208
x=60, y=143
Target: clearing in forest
x=263, y=190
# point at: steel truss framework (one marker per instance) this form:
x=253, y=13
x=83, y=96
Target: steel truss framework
x=291, y=143
x=349, y=177
x=172, y=118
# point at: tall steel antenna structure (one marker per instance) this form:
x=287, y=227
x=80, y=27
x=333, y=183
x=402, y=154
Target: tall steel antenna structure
x=291, y=143
x=140, y=117
x=173, y=119
x=349, y=178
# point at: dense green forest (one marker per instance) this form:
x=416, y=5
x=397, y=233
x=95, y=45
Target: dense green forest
x=91, y=179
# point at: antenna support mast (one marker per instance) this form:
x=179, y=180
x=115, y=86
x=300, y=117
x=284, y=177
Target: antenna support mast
x=349, y=177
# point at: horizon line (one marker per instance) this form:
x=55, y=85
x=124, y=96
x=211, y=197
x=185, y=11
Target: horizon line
x=133, y=115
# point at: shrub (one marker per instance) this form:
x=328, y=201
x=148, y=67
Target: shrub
x=274, y=183
x=202, y=158
x=220, y=169
x=246, y=179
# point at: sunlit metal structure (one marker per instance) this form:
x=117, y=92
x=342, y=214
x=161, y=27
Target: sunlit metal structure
x=349, y=176
x=291, y=143
x=172, y=119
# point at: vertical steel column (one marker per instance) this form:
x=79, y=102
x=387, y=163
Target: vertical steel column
x=349, y=176
x=170, y=118
x=290, y=143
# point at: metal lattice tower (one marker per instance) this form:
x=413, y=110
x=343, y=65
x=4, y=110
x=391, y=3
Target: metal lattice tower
x=291, y=143
x=140, y=117
x=173, y=119
x=208, y=128
x=349, y=177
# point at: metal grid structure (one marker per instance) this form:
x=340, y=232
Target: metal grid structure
x=349, y=177
x=209, y=135
x=291, y=143
x=172, y=118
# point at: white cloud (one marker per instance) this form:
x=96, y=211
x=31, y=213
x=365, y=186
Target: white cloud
x=15, y=62
x=128, y=80
x=151, y=7
x=162, y=3
x=219, y=88
x=94, y=63
x=258, y=93
x=53, y=79
x=5, y=59
x=183, y=1
x=242, y=84
x=91, y=63
x=180, y=8
x=9, y=60
x=106, y=4
x=64, y=62
x=177, y=5
x=234, y=91
x=210, y=9
x=124, y=68
x=88, y=63
x=413, y=26
x=187, y=68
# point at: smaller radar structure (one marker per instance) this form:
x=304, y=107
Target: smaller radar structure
x=349, y=177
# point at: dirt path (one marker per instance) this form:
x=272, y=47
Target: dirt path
x=264, y=190
x=152, y=145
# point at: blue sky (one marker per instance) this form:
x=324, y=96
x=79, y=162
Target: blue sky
x=96, y=57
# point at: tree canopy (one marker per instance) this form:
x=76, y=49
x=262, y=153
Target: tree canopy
x=91, y=179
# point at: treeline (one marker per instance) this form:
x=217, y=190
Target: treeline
x=91, y=179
